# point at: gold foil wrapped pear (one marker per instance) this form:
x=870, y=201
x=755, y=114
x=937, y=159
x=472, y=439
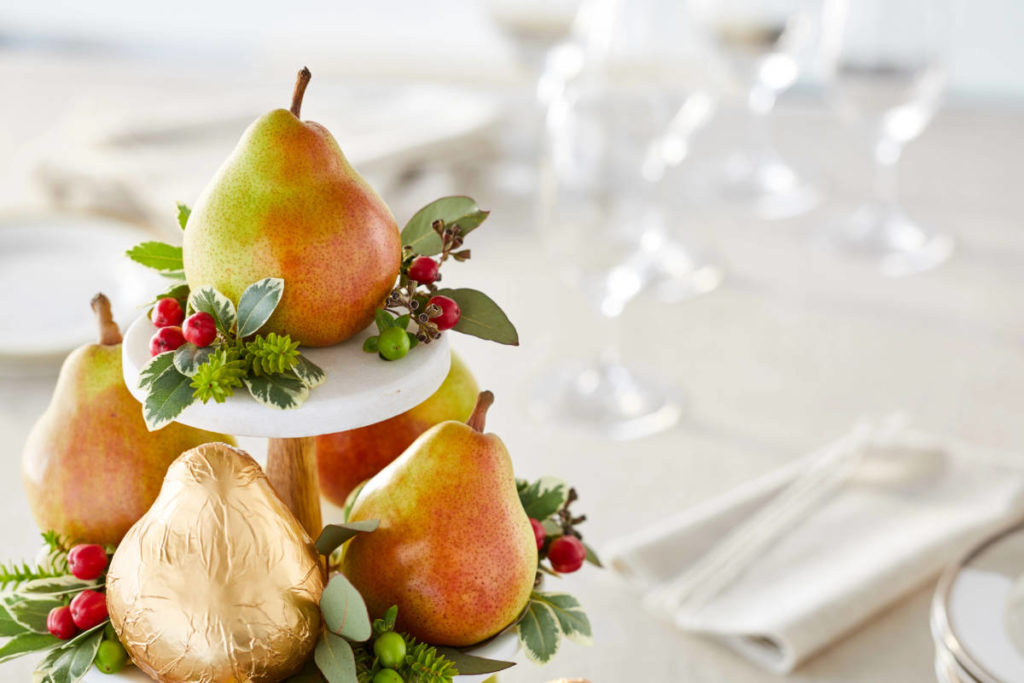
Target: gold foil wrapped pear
x=217, y=582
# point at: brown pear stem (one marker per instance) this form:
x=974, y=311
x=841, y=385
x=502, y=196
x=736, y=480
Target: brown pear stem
x=479, y=416
x=110, y=334
x=300, y=90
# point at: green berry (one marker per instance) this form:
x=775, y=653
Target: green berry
x=111, y=657
x=387, y=676
x=390, y=649
x=393, y=343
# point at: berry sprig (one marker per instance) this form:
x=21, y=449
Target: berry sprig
x=564, y=548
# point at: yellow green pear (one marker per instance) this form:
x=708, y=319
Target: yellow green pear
x=218, y=581
x=347, y=459
x=287, y=204
x=454, y=550
x=90, y=466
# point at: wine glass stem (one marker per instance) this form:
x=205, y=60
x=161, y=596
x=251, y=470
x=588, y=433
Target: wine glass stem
x=887, y=155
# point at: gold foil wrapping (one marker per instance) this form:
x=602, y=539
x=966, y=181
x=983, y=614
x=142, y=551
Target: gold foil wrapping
x=217, y=582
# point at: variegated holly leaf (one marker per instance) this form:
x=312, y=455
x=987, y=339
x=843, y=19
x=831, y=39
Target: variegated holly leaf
x=308, y=372
x=188, y=357
x=23, y=643
x=277, y=391
x=539, y=632
x=572, y=620
x=156, y=366
x=30, y=611
x=56, y=585
x=257, y=303
x=344, y=610
x=209, y=300
x=335, y=659
x=168, y=395
x=542, y=498
x=71, y=660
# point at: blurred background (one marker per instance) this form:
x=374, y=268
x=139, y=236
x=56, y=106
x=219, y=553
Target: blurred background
x=726, y=230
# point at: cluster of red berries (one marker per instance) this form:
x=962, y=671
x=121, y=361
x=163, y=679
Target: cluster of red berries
x=199, y=329
x=566, y=553
x=88, y=608
x=426, y=270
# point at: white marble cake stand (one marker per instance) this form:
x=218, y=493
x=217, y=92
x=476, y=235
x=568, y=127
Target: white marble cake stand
x=360, y=389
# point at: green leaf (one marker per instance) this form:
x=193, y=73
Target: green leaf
x=176, y=275
x=308, y=372
x=539, y=632
x=30, y=611
x=156, y=366
x=592, y=557
x=542, y=498
x=350, y=501
x=335, y=658
x=334, y=535
x=371, y=345
x=481, y=317
x=402, y=321
x=177, y=291
x=277, y=391
x=24, y=643
x=56, y=585
x=344, y=610
x=419, y=233
x=183, y=213
x=470, y=665
x=209, y=300
x=383, y=319
x=8, y=626
x=168, y=395
x=71, y=660
x=188, y=357
x=157, y=255
x=257, y=303
x=571, y=618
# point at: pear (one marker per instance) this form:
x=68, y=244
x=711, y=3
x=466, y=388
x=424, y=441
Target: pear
x=90, y=466
x=454, y=549
x=217, y=581
x=287, y=204
x=346, y=459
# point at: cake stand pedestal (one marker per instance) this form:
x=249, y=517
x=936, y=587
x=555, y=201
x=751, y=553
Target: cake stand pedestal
x=360, y=389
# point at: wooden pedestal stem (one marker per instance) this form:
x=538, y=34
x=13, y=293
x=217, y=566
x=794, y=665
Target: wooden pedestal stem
x=292, y=471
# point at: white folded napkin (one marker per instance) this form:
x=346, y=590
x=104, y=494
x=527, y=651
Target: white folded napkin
x=784, y=565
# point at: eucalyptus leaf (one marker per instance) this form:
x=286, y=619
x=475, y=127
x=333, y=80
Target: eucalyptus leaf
x=257, y=304
x=344, y=610
x=157, y=255
x=183, y=213
x=419, y=233
x=539, y=632
x=572, y=619
x=470, y=665
x=542, y=498
x=209, y=300
x=156, y=366
x=335, y=659
x=481, y=317
x=308, y=372
x=188, y=357
x=334, y=535
x=277, y=391
x=24, y=643
x=168, y=395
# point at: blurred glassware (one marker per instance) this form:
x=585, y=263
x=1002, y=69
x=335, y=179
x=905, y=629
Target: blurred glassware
x=760, y=41
x=616, y=97
x=887, y=63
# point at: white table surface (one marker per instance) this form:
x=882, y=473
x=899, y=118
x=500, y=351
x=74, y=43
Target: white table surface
x=788, y=353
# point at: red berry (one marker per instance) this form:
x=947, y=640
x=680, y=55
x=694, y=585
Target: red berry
x=538, y=532
x=167, y=312
x=200, y=329
x=567, y=554
x=450, y=312
x=423, y=269
x=60, y=624
x=87, y=562
x=88, y=609
x=166, y=339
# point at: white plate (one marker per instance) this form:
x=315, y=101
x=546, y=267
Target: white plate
x=360, y=389
x=50, y=268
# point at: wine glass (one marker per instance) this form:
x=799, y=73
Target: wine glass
x=886, y=60
x=761, y=42
x=603, y=218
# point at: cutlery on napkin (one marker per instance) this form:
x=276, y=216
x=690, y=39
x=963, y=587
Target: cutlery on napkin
x=785, y=565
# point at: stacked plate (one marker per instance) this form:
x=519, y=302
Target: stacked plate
x=978, y=613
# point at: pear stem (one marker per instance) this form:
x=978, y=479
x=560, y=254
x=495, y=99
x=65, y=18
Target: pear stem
x=110, y=334
x=479, y=416
x=300, y=90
